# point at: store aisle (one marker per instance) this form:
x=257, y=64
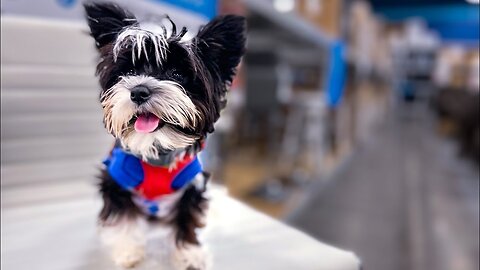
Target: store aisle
x=404, y=201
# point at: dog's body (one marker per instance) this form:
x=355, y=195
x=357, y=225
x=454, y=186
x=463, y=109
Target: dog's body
x=161, y=95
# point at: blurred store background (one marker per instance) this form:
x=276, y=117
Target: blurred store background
x=354, y=121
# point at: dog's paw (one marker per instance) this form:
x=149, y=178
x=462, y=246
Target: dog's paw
x=126, y=242
x=128, y=256
x=191, y=257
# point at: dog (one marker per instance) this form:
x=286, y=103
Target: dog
x=161, y=93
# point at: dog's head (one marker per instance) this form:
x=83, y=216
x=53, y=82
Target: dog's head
x=160, y=90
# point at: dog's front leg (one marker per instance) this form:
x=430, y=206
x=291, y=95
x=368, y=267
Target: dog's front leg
x=126, y=240
x=122, y=226
x=187, y=252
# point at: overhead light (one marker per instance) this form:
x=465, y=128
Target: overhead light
x=284, y=5
x=475, y=2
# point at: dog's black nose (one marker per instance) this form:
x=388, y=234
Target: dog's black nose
x=140, y=94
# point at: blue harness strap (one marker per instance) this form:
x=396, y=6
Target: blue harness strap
x=186, y=175
x=127, y=171
x=124, y=168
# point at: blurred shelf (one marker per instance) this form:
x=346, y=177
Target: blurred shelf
x=293, y=24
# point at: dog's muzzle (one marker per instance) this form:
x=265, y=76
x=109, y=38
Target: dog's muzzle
x=140, y=94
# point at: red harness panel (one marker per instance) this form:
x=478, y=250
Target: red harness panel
x=158, y=180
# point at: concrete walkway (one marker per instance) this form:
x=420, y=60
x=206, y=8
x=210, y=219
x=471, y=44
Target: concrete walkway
x=405, y=201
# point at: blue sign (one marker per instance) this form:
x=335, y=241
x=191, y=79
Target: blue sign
x=207, y=8
x=454, y=22
x=336, y=74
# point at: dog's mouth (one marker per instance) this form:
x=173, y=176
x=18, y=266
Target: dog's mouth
x=147, y=123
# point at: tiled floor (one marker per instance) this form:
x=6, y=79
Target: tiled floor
x=404, y=201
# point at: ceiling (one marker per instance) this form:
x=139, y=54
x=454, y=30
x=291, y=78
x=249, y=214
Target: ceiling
x=453, y=20
x=392, y=3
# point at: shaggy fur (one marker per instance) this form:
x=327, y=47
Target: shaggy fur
x=184, y=83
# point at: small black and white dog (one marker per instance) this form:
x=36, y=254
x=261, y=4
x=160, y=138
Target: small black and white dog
x=161, y=95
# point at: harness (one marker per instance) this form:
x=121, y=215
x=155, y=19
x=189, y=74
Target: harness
x=151, y=185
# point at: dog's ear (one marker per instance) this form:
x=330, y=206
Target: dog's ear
x=221, y=44
x=106, y=20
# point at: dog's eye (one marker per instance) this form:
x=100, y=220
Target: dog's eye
x=176, y=76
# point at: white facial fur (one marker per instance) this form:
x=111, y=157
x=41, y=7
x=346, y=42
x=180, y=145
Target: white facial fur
x=168, y=101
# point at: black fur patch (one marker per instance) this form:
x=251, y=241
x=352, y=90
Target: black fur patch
x=106, y=20
x=221, y=44
x=117, y=202
x=188, y=215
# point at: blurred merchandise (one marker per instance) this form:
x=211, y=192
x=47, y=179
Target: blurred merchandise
x=414, y=56
x=457, y=101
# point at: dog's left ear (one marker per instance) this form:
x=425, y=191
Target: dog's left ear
x=106, y=20
x=221, y=44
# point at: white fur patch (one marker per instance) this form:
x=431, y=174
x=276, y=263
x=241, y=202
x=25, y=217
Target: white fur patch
x=191, y=257
x=126, y=240
x=135, y=36
x=166, y=137
x=169, y=102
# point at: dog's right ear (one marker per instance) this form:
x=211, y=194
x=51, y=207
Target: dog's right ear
x=106, y=20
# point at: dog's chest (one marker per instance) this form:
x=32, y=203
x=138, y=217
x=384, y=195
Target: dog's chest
x=154, y=188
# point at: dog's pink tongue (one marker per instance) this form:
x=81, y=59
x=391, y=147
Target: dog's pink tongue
x=146, y=123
